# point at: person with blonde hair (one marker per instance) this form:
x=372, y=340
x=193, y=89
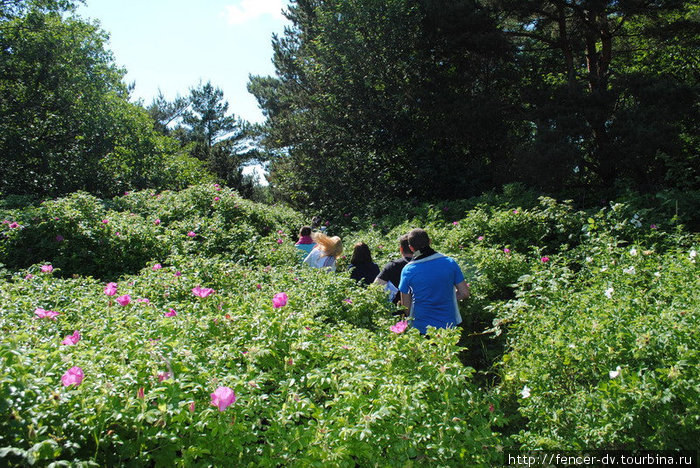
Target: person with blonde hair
x=327, y=250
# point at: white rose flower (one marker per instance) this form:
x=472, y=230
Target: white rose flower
x=609, y=292
x=630, y=271
x=525, y=392
x=615, y=373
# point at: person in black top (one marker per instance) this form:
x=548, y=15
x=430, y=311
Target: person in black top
x=392, y=270
x=361, y=264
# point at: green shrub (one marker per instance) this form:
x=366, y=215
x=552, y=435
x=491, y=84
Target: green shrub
x=311, y=387
x=609, y=353
x=560, y=299
x=83, y=235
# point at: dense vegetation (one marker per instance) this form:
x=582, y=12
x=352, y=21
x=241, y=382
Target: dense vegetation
x=581, y=332
x=153, y=316
x=443, y=99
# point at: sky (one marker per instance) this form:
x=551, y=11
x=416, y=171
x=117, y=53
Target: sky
x=172, y=45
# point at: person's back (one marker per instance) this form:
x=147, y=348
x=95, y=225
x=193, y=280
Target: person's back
x=362, y=267
x=324, y=254
x=305, y=244
x=365, y=272
x=391, y=273
x=432, y=284
x=428, y=285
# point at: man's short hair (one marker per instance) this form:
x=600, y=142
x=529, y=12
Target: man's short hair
x=305, y=231
x=418, y=239
x=403, y=242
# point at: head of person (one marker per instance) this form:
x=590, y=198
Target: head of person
x=305, y=231
x=404, y=248
x=361, y=254
x=418, y=239
x=331, y=246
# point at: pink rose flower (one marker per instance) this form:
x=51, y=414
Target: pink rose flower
x=14, y=225
x=156, y=222
x=191, y=234
x=73, y=376
x=506, y=250
x=71, y=340
x=170, y=313
x=124, y=300
x=163, y=376
x=544, y=259
x=46, y=269
x=279, y=300
x=223, y=397
x=47, y=314
x=202, y=292
x=399, y=327
x=111, y=289
x=157, y=266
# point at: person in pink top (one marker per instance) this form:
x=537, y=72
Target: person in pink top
x=305, y=243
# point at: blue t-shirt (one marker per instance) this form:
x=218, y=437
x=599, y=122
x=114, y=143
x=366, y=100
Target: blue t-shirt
x=304, y=249
x=432, y=284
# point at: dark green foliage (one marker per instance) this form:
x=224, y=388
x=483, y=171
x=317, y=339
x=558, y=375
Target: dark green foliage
x=376, y=101
x=606, y=92
x=379, y=102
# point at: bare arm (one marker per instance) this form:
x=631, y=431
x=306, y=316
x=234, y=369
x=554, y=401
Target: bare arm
x=462, y=290
x=380, y=281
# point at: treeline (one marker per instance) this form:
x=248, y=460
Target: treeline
x=66, y=122
x=375, y=101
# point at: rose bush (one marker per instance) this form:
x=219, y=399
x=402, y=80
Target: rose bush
x=232, y=352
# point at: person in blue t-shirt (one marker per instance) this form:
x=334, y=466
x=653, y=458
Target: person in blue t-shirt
x=305, y=244
x=431, y=284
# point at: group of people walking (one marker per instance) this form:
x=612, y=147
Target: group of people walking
x=429, y=284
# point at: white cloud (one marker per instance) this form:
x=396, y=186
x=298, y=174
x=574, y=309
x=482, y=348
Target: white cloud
x=247, y=10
